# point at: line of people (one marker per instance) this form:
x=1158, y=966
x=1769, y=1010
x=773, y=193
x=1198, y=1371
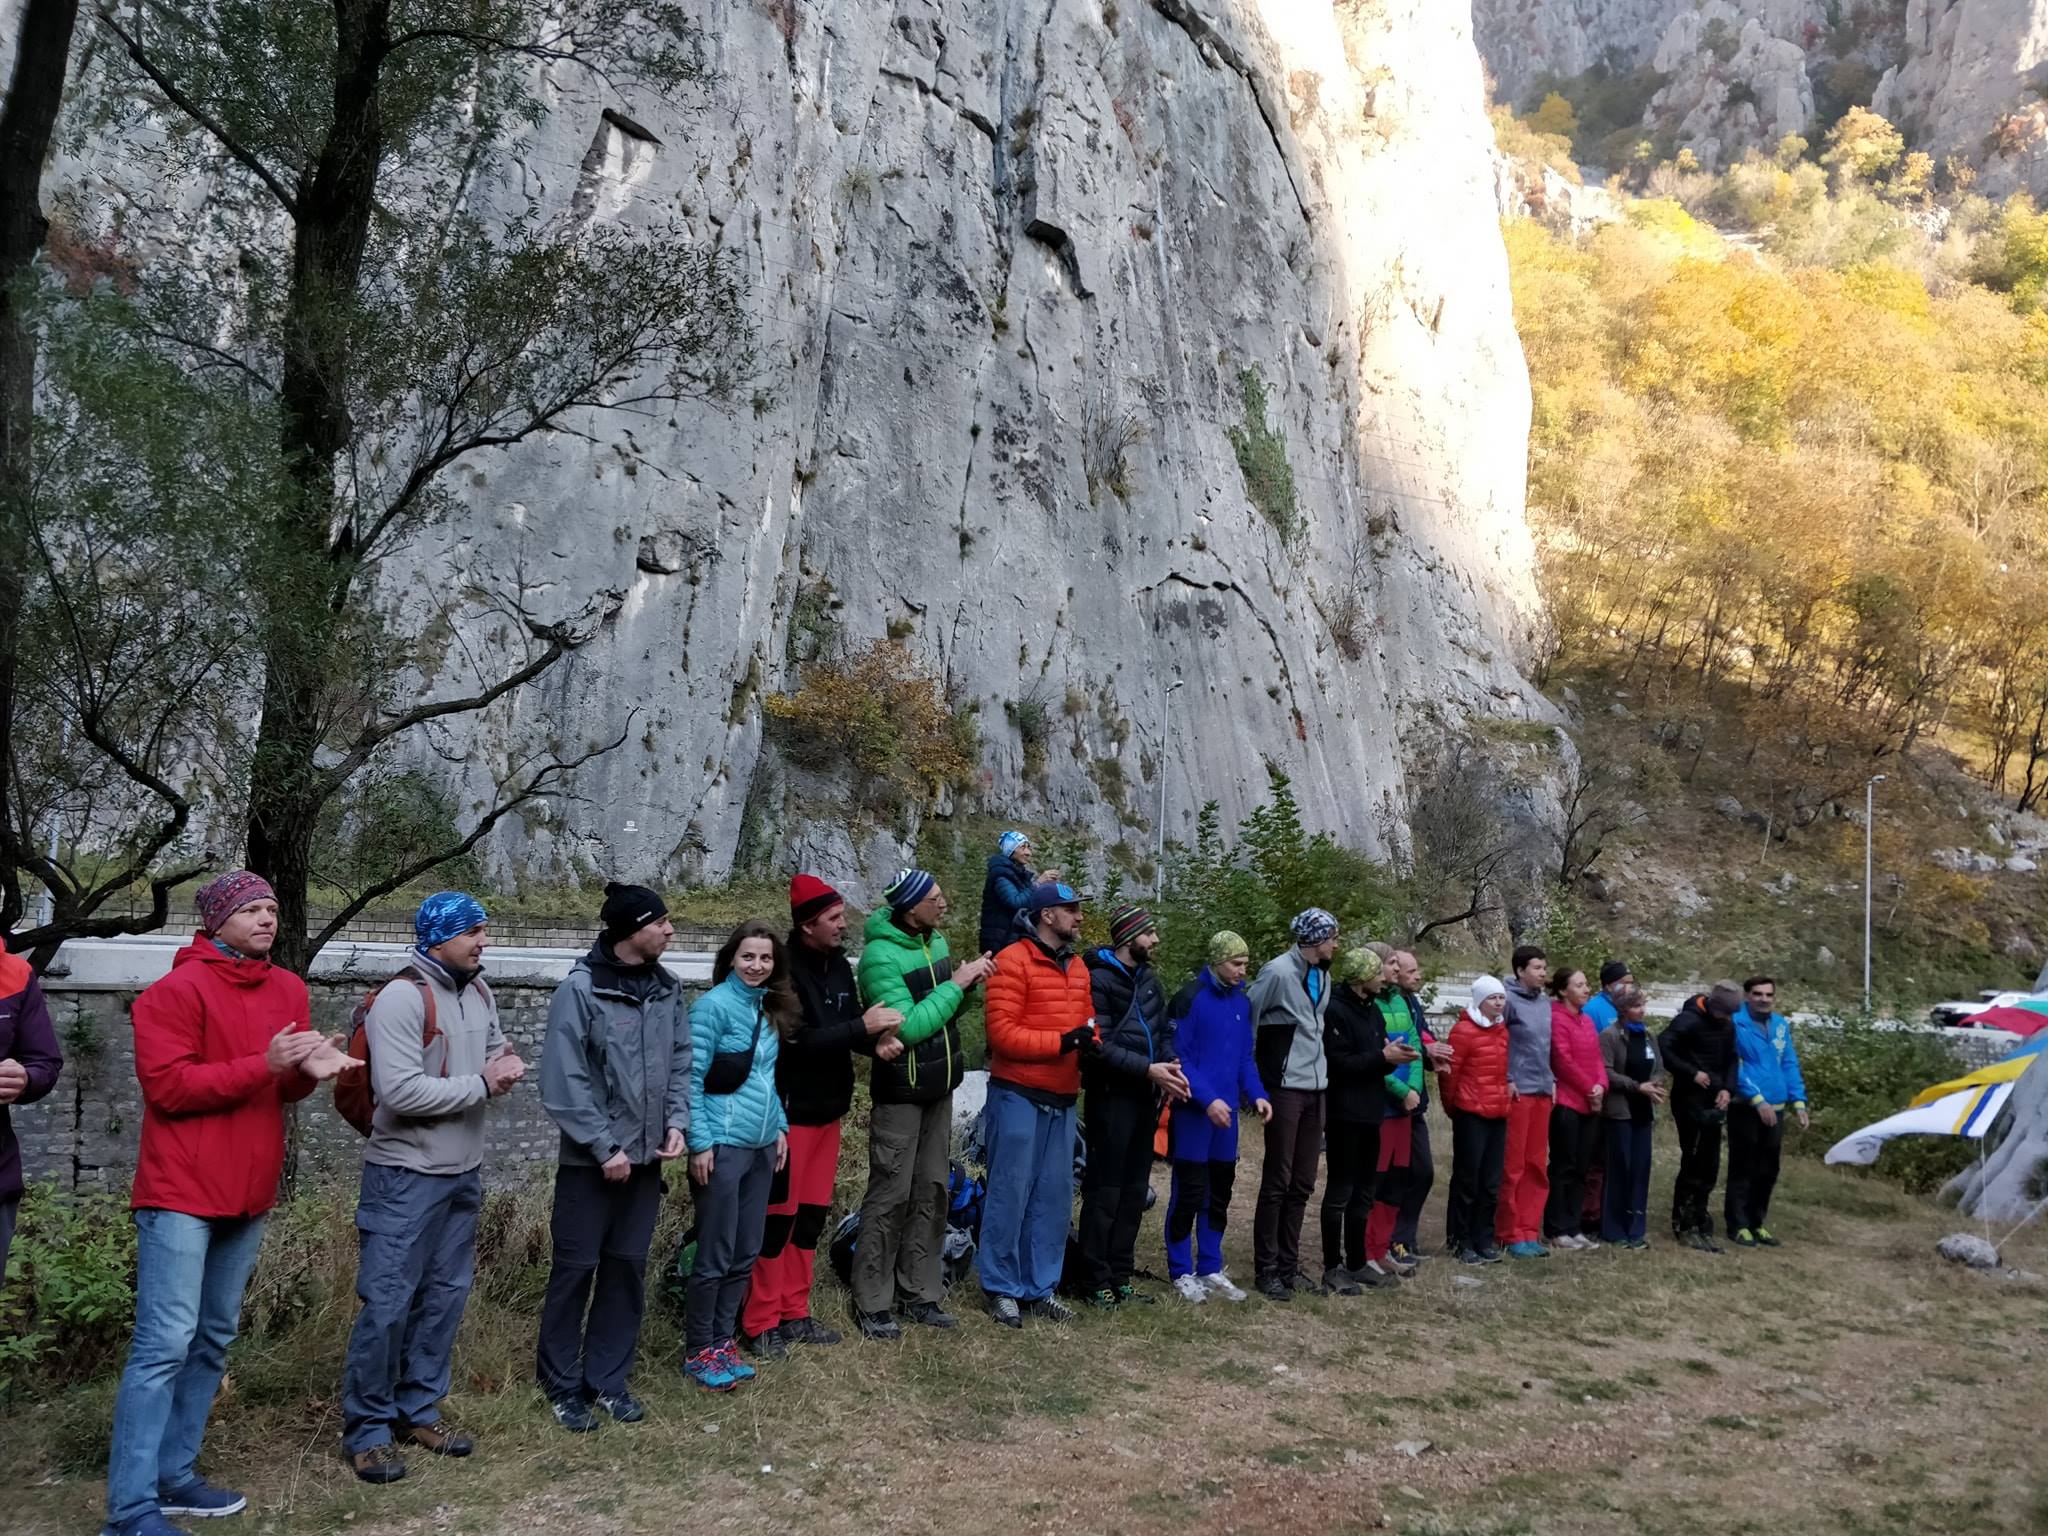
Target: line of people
x=1329, y=1047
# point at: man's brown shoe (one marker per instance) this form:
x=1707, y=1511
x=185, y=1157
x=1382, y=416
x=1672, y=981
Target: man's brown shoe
x=379, y=1464
x=441, y=1437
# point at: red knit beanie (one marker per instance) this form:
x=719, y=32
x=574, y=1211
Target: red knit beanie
x=809, y=896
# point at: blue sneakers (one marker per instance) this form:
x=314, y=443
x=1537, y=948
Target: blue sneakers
x=151, y=1524
x=729, y=1357
x=201, y=1501
x=707, y=1369
x=1527, y=1250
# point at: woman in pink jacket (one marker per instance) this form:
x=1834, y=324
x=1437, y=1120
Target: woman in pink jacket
x=1575, y=1119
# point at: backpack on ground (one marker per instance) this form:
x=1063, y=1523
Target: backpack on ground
x=354, y=1098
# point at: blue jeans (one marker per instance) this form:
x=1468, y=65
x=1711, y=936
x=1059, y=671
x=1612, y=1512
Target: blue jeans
x=190, y=1273
x=416, y=1244
x=1030, y=1202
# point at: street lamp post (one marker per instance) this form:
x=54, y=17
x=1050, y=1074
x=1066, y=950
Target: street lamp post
x=1869, y=829
x=1165, y=735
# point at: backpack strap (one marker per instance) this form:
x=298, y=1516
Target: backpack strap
x=430, y=1028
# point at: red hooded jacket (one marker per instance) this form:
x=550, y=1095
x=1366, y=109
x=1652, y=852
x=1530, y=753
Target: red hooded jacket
x=212, y=1110
x=1575, y=1058
x=1477, y=1080
x=1032, y=1001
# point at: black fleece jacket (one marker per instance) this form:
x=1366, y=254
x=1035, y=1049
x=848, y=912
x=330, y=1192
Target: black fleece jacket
x=814, y=1071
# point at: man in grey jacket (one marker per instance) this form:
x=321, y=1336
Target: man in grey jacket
x=1532, y=1087
x=1288, y=1002
x=422, y=1189
x=615, y=1076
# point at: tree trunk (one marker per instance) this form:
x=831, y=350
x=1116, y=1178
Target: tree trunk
x=27, y=119
x=316, y=558
x=2013, y=1177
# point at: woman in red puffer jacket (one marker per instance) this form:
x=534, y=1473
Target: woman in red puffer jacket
x=1476, y=1093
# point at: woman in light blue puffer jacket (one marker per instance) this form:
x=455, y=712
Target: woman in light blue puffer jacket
x=738, y=1140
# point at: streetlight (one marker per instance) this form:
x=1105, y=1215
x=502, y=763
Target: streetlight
x=1165, y=733
x=1869, y=826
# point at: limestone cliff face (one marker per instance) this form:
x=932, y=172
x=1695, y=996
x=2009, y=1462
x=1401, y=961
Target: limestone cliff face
x=1970, y=85
x=1524, y=39
x=975, y=231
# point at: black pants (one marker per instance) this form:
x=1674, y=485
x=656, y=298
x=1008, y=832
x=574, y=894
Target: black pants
x=601, y=1232
x=1294, y=1145
x=1478, y=1150
x=1753, y=1153
x=1572, y=1136
x=1699, y=1168
x=1421, y=1180
x=1113, y=1185
x=1354, y=1156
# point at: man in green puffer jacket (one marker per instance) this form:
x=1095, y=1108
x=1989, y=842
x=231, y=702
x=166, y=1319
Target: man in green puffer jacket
x=906, y=966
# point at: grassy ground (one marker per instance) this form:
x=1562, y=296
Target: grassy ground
x=1850, y=1382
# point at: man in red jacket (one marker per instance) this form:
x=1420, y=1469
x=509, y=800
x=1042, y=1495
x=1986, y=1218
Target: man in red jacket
x=222, y=1044
x=1041, y=1016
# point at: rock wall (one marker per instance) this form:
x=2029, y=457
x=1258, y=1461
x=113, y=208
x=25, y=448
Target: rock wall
x=976, y=233
x=1524, y=39
x=1971, y=85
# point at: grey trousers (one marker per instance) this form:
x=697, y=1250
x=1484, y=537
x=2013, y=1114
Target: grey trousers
x=732, y=1210
x=416, y=1239
x=901, y=1251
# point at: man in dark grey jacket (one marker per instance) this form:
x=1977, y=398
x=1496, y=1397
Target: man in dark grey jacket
x=615, y=1076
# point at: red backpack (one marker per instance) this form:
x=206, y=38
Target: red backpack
x=353, y=1096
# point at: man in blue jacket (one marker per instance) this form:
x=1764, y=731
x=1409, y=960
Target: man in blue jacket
x=1768, y=1084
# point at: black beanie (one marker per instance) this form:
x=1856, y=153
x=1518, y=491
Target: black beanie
x=629, y=908
x=1613, y=971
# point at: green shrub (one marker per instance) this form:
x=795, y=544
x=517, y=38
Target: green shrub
x=1262, y=458
x=1857, y=1073
x=69, y=1299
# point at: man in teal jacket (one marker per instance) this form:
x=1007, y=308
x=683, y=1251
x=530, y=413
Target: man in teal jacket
x=1768, y=1085
x=899, y=1256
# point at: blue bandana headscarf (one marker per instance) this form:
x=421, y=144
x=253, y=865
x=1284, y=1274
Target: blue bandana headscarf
x=444, y=915
x=1010, y=842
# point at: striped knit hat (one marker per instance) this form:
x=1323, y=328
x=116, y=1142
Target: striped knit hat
x=1126, y=922
x=909, y=888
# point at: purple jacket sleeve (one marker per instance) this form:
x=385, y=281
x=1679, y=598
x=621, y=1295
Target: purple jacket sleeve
x=35, y=1044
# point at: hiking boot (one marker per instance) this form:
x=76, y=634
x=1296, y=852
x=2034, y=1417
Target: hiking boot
x=737, y=1368
x=379, y=1464
x=1191, y=1290
x=877, y=1325
x=1742, y=1237
x=1301, y=1285
x=623, y=1407
x=1273, y=1288
x=768, y=1344
x=1406, y=1254
x=929, y=1314
x=200, y=1500
x=1470, y=1256
x=1003, y=1309
x=1219, y=1284
x=1049, y=1309
x=1365, y=1277
x=441, y=1437
x=1129, y=1292
x=1704, y=1242
x=1337, y=1281
x=808, y=1330
x=1104, y=1300
x=1763, y=1236
x=573, y=1414
x=1492, y=1254
x=1635, y=1244
x=707, y=1369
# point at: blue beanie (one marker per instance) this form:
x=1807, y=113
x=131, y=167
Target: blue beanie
x=909, y=888
x=445, y=915
x=1010, y=842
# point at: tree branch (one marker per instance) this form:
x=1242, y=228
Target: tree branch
x=239, y=152
x=400, y=878
x=42, y=944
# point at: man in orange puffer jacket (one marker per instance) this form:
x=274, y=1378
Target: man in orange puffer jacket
x=1476, y=1092
x=1041, y=1017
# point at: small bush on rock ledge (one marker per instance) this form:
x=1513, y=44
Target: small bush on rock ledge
x=878, y=713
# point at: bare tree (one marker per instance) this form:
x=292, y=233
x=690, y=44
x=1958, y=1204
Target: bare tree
x=388, y=340
x=1595, y=806
x=1461, y=843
